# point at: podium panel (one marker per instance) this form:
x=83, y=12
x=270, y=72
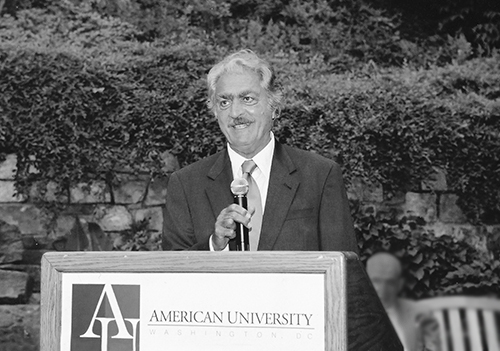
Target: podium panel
x=210, y=301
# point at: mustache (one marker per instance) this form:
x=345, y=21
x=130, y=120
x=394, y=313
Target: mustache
x=240, y=120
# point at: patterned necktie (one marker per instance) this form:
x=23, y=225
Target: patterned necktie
x=254, y=201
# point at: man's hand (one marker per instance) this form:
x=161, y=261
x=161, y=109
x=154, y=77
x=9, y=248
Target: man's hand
x=225, y=225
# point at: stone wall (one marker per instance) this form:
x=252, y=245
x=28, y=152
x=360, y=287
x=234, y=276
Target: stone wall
x=27, y=232
x=435, y=203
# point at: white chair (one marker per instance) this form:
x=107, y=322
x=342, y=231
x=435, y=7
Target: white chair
x=466, y=323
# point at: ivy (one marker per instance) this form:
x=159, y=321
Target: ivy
x=433, y=265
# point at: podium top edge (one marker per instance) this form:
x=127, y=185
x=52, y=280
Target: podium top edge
x=193, y=261
x=142, y=254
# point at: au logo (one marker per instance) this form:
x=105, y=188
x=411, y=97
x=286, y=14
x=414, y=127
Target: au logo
x=105, y=317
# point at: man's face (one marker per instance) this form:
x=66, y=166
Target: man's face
x=385, y=274
x=243, y=112
x=387, y=289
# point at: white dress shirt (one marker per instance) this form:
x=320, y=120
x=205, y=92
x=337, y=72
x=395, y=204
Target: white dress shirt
x=261, y=174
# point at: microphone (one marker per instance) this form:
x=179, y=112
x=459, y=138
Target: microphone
x=239, y=188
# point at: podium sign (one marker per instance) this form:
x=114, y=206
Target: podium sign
x=194, y=301
x=189, y=311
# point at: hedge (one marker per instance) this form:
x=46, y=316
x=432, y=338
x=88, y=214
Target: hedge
x=76, y=120
x=83, y=98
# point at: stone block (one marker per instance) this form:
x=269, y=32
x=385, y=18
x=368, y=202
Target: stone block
x=365, y=192
x=473, y=235
x=83, y=233
x=48, y=193
x=32, y=270
x=449, y=212
x=157, y=191
x=154, y=216
x=20, y=327
x=373, y=193
x=436, y=180
x=27, y=217
x=11, y=246
x=81, y=209
x=86, y=193
x=420, y=205
x=169, y=162
x=113, y=218
x=8, y=167
x=129, y=190
x=15, y=287
x=8, y=192
x=63, y=225
x=35, y=298
x=12, y=252
x=394, y=198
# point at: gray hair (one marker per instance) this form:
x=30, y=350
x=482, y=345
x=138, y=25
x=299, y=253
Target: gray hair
x=238, y=62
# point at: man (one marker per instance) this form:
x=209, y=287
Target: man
x=302, y=205
x=416, y=332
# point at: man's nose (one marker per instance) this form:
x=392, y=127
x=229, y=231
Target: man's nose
x=236, y=109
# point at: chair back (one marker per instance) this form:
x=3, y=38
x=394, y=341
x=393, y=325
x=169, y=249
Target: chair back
x=466, y=323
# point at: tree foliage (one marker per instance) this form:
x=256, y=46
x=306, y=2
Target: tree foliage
x=477, y=20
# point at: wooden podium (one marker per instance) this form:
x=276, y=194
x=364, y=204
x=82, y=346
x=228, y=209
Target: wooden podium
x=210, y=301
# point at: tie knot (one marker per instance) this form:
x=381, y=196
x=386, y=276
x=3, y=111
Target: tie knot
x=248, y=167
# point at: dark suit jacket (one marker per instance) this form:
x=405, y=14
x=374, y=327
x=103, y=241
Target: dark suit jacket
x=306, y=208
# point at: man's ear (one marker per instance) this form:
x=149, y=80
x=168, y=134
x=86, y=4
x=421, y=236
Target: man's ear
x=276, y=113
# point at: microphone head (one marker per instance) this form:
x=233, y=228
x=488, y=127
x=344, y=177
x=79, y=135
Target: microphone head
x=239, y=187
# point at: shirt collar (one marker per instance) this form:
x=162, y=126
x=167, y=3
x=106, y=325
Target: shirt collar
x=263, y=159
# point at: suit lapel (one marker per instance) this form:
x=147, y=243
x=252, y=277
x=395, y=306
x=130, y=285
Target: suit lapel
x=283, y=185
x=218, y=190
